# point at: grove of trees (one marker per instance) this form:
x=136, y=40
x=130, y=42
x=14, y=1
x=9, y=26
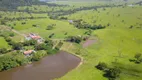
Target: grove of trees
x=110, y=73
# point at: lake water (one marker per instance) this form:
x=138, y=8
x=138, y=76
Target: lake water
x=50, y=67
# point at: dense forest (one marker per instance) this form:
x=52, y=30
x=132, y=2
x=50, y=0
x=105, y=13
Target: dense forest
x=13, y=4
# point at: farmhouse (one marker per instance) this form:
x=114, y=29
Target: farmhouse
x=29, y=52
x=35, y=37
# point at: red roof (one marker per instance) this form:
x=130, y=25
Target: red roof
x=28, y=52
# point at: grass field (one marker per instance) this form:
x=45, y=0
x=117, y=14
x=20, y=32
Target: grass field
x=115, y=39
x=115, y=17
x=117, y=43
x=106, y=50
x=3, y=43
x=60, y=29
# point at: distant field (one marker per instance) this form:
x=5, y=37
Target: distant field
x=3, y=43
x=60, y=29
x=115, y=17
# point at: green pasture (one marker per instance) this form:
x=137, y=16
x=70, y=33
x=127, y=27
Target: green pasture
x=115, y=17
x=117, y=43
x=3, y=43
x=111, y=42
x=115, y=46
x=60, y=28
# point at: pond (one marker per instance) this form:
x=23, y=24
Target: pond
x=48, y=68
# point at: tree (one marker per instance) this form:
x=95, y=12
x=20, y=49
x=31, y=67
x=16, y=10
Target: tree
x=138, y=55
x=76, y=39
x=101, y=66
x=1, y=66
x=20, y=59
x=48, y=42
x=7, y=62
x=11, y=34
x=51, y=35
x=8, y=39
x=41, y=47
x=138, y=58
x=49, y=27
x=37, y=56
x=17, y=46
x=30, y=42
x=113, y=73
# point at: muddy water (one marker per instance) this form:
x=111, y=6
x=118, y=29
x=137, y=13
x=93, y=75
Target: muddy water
x=48, y=68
